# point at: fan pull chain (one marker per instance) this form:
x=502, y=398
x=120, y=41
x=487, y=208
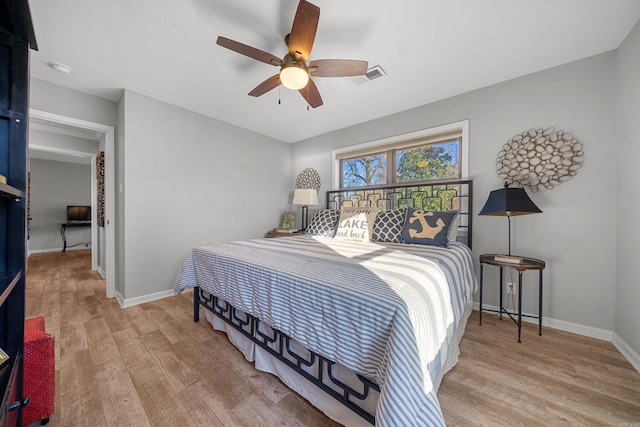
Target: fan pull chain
x=279, y=95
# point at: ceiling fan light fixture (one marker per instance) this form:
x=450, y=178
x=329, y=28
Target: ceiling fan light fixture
x=294, y=75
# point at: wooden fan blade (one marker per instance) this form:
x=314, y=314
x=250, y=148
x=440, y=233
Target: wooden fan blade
x=337, y=68
x=264, y=87
x=249, y=51
x=311, y=94
x=303, y=31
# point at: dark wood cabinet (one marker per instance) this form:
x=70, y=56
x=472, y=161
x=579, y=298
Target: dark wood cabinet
x=16, y=38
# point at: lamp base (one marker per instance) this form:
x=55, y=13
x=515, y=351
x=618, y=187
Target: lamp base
x=305, y=217
x=508, y=258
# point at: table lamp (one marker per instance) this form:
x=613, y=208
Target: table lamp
x=509, y=202
x=305, y=197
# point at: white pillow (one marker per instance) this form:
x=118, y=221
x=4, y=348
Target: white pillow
x=356, y=224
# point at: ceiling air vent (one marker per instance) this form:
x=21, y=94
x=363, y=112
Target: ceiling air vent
x=372, y=73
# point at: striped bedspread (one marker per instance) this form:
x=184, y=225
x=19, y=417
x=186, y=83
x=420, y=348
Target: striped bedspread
x=387, y=311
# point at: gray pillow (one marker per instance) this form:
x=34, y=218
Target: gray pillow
x=323, y=223
x=388, y=226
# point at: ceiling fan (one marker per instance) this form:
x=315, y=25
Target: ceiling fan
x=294, y=71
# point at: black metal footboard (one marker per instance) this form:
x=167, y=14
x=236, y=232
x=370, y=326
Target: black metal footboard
x=312, y=366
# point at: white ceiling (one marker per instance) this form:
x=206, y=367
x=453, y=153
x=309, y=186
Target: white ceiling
x=430, y=50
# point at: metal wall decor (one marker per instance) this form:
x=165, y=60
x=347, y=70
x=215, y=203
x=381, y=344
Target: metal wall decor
x=540, y=159
x=308, y=178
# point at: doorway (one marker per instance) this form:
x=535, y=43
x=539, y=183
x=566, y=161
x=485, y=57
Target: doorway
x=105, y=134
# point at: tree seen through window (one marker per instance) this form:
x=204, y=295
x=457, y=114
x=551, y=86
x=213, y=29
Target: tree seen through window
x=438, y=161
x=365, y=171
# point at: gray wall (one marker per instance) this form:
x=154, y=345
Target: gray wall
x=191, y=180
x=56, y=99
x=628, y=233
x=578, y=97
x=54, y=185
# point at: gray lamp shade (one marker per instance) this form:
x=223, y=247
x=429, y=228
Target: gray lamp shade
x=509, y=202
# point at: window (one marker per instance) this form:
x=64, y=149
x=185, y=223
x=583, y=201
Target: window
x=431, y=155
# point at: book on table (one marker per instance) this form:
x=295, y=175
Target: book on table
x=286, y=230
x=508, y=258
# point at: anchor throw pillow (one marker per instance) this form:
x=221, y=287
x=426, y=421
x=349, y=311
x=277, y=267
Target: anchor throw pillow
x=428, y=227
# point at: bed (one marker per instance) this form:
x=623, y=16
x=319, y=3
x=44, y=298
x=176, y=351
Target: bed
x=360, y=324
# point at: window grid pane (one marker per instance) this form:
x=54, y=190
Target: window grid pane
x=428, y=162
x=365, y=171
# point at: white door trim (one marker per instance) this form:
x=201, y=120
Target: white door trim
x=109, y=180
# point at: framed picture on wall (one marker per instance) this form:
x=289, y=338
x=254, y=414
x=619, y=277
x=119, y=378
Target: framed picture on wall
x=288, y=220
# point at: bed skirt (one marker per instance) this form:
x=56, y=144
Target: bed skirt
x=331, y=407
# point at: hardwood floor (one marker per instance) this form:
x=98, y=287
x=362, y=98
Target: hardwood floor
x=151, y=365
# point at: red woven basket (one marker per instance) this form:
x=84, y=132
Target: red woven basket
x=39, y=372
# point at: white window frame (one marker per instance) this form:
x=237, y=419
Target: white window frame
x=382, y=144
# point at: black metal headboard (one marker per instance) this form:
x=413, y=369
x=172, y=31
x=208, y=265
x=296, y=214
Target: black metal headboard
x=434, y=197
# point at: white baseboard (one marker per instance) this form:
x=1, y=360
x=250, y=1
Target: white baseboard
x=42, y=251
x=129, y=302
x=587, y=331
x=102, y=273
x=120, y=299
x=627, y=351
x=562, y=325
